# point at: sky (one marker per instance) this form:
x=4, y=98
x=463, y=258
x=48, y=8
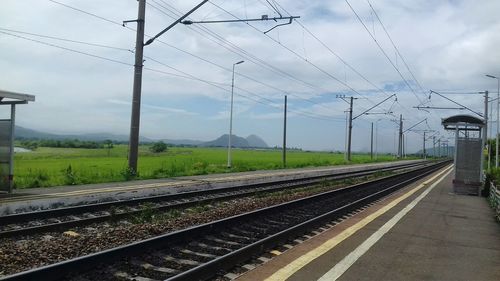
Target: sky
x=77, y=59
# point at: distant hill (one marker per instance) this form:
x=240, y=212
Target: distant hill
x=251, y=141
x=256, y=141
x=24, y=133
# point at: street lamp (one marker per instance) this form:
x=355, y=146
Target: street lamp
x=231, y=119
x=498, y=115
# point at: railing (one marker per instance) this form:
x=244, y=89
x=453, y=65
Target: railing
x=494, y=199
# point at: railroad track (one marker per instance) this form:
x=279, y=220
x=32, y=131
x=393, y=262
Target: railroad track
x=201, y=252
x=30, y=223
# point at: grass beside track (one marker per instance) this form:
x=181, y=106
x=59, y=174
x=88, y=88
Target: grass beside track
x=47, y=167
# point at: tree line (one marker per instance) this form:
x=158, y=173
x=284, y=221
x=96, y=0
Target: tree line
x=75, y=143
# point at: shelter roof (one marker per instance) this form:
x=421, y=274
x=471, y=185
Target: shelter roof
x=462, y=121
x=7, y=97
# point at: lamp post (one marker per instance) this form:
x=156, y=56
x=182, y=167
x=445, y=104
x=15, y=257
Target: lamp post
x=376, y=137
x=498, y=115
x=231, y=119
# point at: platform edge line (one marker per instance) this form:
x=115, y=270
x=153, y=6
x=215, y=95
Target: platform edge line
x=290, y=269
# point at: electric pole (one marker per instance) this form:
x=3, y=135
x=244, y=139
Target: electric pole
x=400, y=144
x=133, y=152
x=424, y=148
x=350, y=131
x=485, y=130
x=371, y=144
x=434, y=146
x=136, y=96
x=284, y=133
x=439, y=147
x=351, y=118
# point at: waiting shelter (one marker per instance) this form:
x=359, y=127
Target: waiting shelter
x=7, y=137
x=469, y=157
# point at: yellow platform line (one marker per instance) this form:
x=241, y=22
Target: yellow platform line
x=290, y=269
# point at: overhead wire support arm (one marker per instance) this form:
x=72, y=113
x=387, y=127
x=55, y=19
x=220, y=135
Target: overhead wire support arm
x=461, y=105
x=366, y=111
x=379, y=113
x=437, y=107
x=263, y=18
x=152, y=39
x=424, y=120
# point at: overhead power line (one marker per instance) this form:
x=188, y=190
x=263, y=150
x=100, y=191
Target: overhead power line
x=250, y=57
x=296, y=54
x=85, y=12
x=185, y=75
x=66, y=49
x=228, y=45
x=67, y=40
x=239, y=51
x=395, y=47
x=346, y=63
x=383, y=51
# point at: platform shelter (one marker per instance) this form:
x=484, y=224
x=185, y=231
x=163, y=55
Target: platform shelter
x=7, y=137
x=469, y=158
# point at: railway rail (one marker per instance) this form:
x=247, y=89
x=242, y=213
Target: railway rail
x=65, y=218
x=201, y=252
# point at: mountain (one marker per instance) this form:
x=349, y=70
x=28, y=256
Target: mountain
x=251, y=141
x=24, y=133
x=256, y=141
x=223, y=141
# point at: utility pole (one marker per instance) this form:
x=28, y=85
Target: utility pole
x=400, y=144
x=434, y=146
x=424, y=155
x=138, y=66
x=376, y=138
x=404, y=146
x=371, y=144
x=351, y=118
x=491, y=135
x=136, y=95
x=439, y=147
x=284, y=133
x=350, y=131
x=485, y=130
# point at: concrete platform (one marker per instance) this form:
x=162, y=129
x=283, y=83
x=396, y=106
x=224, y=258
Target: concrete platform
x=424, y=232
x=43, y=198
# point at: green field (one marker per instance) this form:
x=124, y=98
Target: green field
x=46, y=167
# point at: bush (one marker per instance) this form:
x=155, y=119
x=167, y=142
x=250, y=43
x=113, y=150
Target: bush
x=158, y=147
x=70, y=176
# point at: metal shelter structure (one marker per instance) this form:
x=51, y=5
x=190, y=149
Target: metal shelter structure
x=7, y=127
x=469, y=156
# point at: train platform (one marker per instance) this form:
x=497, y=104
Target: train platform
x=424, y=232
x=43, y=198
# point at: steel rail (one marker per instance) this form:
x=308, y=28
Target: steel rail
x=208, y=269
x=181, y=200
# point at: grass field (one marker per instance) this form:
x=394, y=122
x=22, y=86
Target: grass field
x=46, y=167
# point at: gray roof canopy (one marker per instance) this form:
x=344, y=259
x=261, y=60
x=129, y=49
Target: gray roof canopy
x=14, y=98
x=462, y=121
